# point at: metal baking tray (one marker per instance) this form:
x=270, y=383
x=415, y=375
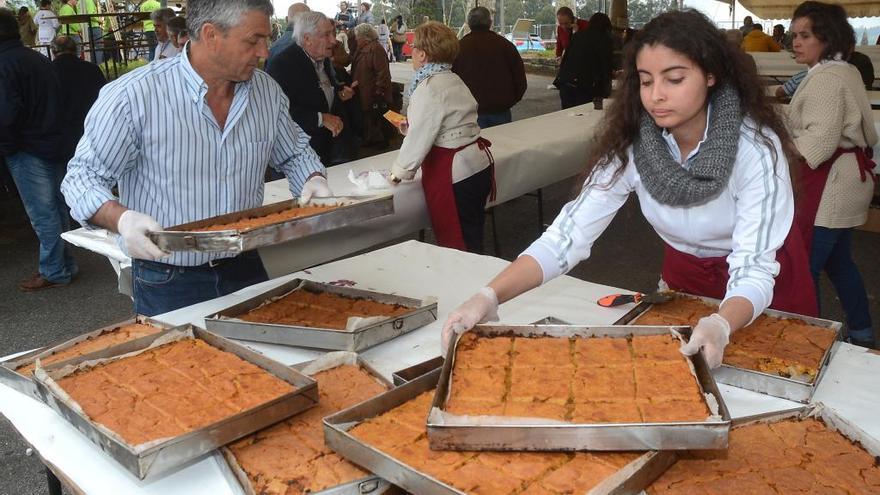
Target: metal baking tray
x=226, y=324
x=162, y=455
x=336, y=436
x=447, y=431
x=792, y=389
x=642, y=477
x=411, y=373
x=368, y=485
x=351, y=211
x=27, y=386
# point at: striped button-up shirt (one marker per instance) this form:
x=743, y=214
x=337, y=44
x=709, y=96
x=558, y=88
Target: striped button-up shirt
x=153, y=133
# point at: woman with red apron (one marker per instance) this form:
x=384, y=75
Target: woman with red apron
x=691, y=135
x=443, y=139
x=833, y=129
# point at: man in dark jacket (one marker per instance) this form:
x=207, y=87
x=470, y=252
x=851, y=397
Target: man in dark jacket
x=304, y=72
x=491, y=68
x=80, y=84
x=30, y=140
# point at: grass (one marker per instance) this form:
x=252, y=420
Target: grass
x=123, y=69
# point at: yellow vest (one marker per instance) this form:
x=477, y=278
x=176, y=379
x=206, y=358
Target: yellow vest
x=149, y=6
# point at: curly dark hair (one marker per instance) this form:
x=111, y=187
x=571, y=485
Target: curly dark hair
x=692, y=34
x=829, y=24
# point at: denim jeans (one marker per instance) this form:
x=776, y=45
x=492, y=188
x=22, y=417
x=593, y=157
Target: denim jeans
x=485, y=120
x=831, y=251
x=39, y=184
x=95, y=33
x=160, y=288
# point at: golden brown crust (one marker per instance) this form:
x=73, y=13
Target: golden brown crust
x=291, y=457
x=786, y=457
x=106, y=339
x=170, y=390
x=320, y=310
x=778, y=346
x=493, y=473
x=583, y=380
x=278, y=217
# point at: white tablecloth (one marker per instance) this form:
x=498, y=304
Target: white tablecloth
x=529, y=154
x=416, y=270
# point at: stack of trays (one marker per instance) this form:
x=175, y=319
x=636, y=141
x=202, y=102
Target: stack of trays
x=291, y=456
x=303, y=313
x=273, y=224
x=780, y=354
x=157, y=403
x=18, y=372
x=575, y=388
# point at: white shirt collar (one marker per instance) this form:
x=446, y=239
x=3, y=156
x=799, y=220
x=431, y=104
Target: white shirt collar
x=673, y=145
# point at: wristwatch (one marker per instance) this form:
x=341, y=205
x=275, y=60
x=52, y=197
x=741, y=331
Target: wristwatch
x=394, y=179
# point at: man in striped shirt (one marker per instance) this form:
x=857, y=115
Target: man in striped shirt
x=187, y=139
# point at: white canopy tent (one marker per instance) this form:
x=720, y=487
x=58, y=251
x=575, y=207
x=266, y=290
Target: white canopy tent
x=782, y=9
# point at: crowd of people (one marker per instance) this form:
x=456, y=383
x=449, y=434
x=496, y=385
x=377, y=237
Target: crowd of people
x=689, y=131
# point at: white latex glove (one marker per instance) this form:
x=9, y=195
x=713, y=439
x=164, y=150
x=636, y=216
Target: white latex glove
x=316, y=187
x=711, y=334
x=480, y=308
x=133, y=227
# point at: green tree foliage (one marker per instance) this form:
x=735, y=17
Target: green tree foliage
x=642, y=11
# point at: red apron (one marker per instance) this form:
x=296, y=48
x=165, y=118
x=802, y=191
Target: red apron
x=439, y=196
x=812, y=183
x=793, y=291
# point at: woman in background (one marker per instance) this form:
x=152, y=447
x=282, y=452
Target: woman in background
x=833, y=129
x=443, y=139
x=692, y=135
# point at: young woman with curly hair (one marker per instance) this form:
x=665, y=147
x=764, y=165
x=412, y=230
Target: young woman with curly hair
x=691, y=133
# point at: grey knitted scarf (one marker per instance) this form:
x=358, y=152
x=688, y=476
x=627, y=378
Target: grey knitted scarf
x=666, y=180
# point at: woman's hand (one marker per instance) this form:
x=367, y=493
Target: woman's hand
x=481, y=307
x=711, y=334
x=403, y=127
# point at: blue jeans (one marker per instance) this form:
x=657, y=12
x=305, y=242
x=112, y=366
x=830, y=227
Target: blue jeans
x=160, y=288
x=831, y=252
x=39, y=184
x=95, y=33
x=485, y=120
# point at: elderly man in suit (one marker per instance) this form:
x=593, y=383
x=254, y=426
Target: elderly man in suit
x=304, y=72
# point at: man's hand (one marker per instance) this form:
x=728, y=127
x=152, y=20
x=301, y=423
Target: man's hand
x=332, y=123
x=133, y=228
x=711, y=334
x=403, y=127
x=316, y=187
x=347, y=92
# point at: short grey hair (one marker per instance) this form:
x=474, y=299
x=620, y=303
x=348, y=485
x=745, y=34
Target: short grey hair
x=366, y=31
x=63, y=44
x=224, y=14
x=306, y=23
x=479, y=18
x=162, y=15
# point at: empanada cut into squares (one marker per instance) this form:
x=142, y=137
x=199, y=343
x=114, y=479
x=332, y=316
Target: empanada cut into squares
x=591, y=384
x=478, y=383
x=656, y=347
x=480, y=352
x=602, y=351
x=672, y=379
x=542, y=383
x=541, y=351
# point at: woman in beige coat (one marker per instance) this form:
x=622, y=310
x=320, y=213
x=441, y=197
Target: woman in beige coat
x=833, y=129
